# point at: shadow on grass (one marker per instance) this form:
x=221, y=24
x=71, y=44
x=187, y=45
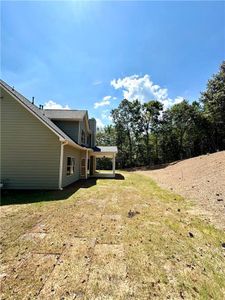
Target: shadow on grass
x=10, y=197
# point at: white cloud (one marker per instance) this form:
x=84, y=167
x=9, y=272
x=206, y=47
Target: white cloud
x=105, y=101
x=99, y=123
x=105, y=115
x=97, y=82
x=53, y=105
x=179, y=99
x=106, y=98
x=143, y=89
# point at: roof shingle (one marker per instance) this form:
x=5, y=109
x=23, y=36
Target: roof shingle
x=64, y=114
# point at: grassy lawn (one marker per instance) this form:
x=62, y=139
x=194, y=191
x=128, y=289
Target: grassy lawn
x=82, y=243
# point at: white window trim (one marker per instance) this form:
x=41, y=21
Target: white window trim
x=71, y=166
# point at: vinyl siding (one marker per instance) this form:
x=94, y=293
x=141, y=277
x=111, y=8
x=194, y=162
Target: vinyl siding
x=92, y=124
x=77, y=154
x=71, y=128
x=30, y=151
x=84, y=128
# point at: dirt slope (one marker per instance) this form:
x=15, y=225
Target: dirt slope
x=201, y=179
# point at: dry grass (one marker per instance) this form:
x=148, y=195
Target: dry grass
x=86, y=247
x=201, y=179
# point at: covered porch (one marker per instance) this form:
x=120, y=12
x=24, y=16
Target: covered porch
x=103, y=152
x=88, y=166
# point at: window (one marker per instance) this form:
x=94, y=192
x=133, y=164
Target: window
x=83, y=137
x=70, y=169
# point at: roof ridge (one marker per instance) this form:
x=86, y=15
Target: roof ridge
x=18, y=94
x=65, y=109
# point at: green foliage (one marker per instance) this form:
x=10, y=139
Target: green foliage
x=213, y=100
x=146, y=135
x=183, y=132
x=105, y=137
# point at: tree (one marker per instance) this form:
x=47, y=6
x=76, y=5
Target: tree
x=125, y=119
x=182, y=121
x=106, y=136
x=150, y=119
x=213, y=100
x=145, y=134
x=168, y=142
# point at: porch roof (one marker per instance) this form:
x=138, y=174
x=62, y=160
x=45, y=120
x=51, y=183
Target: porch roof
x=108, y=149
x=105, y=150
x=112, y=149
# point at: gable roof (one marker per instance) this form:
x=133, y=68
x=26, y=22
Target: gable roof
x=64, y=114
x=68, y=115
x=40, y=114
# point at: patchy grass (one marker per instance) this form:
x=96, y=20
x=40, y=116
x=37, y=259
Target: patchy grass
x=83, y=245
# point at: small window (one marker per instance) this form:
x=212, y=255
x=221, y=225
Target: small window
x=70, y=169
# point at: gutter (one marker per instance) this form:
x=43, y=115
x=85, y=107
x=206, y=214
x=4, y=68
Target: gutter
x=75, y=145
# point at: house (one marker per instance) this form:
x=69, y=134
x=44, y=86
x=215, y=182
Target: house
x=46, y=149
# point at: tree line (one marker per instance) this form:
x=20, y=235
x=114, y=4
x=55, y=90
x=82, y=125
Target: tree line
x=148, y=134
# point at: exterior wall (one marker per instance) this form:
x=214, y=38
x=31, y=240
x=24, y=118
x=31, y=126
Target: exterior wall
x=30, y=152
x=71, y=128
x=92, y=124
x=74, y=128
x=77, y=154
x=83, y=127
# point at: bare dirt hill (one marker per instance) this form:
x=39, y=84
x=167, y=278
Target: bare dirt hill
x=201, y=179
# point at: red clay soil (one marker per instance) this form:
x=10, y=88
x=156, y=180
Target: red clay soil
x=201, y=179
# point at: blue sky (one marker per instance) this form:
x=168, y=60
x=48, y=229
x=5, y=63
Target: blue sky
x=90, y=55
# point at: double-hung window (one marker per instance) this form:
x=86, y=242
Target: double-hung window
x=70, y=169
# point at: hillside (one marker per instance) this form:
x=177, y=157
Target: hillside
x=201, y=179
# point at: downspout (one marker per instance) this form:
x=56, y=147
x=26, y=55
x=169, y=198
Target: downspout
x=63, y=143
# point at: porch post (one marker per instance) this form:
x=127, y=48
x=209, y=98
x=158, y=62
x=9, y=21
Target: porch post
x=86, y=164
x=114, y=164
x=94, y=165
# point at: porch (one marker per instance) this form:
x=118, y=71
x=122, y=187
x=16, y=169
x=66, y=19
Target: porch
x=89, y=164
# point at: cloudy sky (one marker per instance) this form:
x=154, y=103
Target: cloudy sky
x=91, y=55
